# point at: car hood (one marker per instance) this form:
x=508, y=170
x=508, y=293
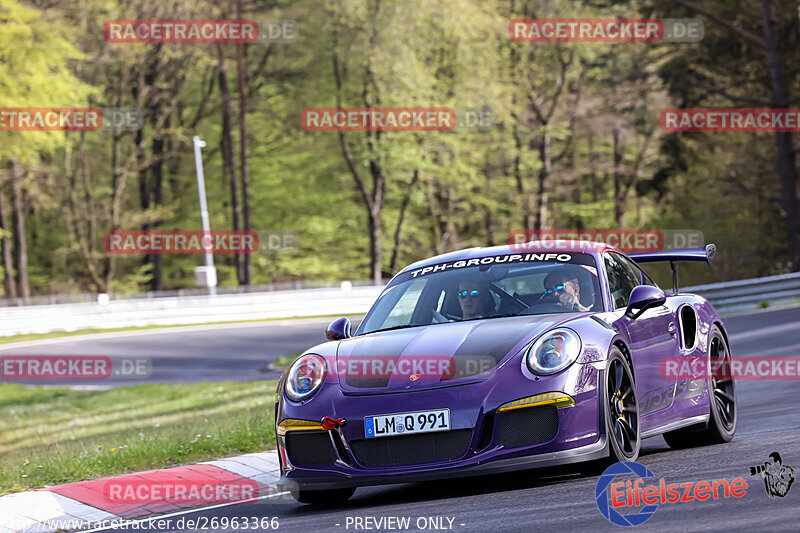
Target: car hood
x=436, y=355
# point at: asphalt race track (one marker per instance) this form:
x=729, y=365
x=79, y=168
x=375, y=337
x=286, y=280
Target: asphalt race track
x=552, y=500
x=236, y=352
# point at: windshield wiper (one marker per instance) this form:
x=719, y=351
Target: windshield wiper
x=401, y=326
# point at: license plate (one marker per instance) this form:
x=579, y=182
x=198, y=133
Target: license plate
x=407, y=423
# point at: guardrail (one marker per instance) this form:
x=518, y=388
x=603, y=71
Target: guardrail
x=750, y=293
x=56, y=299
x=343, y=300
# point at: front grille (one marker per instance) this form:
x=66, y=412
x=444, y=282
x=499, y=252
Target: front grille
x=412, y=449
x=310, y=448
x=527, y=426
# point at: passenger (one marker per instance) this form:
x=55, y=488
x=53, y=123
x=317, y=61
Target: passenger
x=565, y=288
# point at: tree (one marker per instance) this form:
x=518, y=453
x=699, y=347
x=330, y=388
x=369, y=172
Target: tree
x=35, y=71
x=773, y=49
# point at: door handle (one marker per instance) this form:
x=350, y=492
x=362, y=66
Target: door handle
x=673, y=330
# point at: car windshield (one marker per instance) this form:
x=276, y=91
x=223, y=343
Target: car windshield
x=487, y=287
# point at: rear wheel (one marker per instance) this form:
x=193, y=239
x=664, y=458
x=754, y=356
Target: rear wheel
x=722, y=401
x=621, y=414
x=322, y=498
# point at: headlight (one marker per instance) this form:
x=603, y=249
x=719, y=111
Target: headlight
x=305, y=377
x=553, y=352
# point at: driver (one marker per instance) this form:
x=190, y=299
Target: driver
x=474, y=298
x=566, y=288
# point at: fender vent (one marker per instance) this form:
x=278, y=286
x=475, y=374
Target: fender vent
x=688, y=322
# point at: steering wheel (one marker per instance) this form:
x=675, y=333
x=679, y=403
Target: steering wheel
x=439, y=318
x=506, y=296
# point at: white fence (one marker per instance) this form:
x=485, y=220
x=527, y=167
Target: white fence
x=346, y=300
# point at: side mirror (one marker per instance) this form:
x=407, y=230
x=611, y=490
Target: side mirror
x=338, y=329
x=643, y=298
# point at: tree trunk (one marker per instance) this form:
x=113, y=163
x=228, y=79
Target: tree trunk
x=527, y=216
x=399, y=228
x=619, y=201
x=226, y=140
x=375, y=255
x=117, y=186
x=9, y=286
x=436, y=217
x=144, y=189
x=157, y=170
x=786, y=159
x=241, y=63
x=20, y=246
x=488, y=219
x=542, y=196
x=593, y=169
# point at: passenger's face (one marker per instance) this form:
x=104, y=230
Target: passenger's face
x=473, y=299
x=567, y=290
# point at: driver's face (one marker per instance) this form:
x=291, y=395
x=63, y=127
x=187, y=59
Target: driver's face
x=473, y=299
x=560, y=285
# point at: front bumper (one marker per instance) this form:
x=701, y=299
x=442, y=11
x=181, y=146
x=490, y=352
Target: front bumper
x=579, y=436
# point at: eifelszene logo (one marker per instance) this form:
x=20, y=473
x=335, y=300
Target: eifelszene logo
x=778, y=477
x=613, y=496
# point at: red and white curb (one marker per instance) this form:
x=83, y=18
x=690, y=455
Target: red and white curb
x=99, y=502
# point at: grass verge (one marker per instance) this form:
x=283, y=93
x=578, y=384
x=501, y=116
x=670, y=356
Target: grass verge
x=50, y=436
x=283, y=362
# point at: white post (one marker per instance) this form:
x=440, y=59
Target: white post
x=204, y=275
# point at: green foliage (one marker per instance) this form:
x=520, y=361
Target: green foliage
x=473, y=187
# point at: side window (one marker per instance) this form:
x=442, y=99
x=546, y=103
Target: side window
x=623, y=277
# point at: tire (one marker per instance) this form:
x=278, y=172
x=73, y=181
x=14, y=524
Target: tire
x=621, y=408
x=723, y=406
x=322, y=498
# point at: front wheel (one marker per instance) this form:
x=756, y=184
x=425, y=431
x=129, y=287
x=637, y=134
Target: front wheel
x=322, y=498
x=621, y=407
x=722, y=400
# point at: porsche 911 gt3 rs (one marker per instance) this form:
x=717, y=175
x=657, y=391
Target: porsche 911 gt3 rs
x=499, y=359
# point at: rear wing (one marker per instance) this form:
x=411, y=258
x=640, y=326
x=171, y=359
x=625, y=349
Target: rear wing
x=701, y=253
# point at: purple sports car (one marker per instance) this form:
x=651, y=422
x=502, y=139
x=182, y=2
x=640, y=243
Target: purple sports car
x=500, y=359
